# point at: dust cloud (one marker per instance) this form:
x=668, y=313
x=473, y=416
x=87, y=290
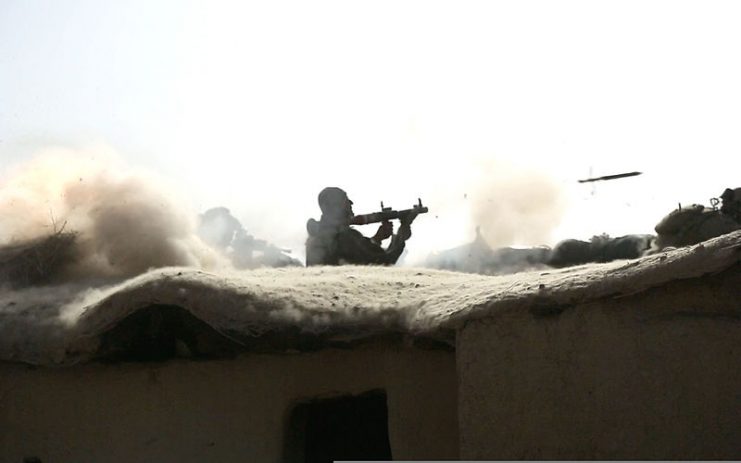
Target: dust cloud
x=485, y=205
x=490, y=216
x=126, y=221
x=515, y=205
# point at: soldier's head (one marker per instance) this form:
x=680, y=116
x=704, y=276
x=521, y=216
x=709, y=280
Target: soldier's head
x=731, y=195
x=335, y=204
x=731, y=203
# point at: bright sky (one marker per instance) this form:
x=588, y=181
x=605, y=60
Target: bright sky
x=258, y=105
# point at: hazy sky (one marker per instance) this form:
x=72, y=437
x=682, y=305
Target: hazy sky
x=258, y=105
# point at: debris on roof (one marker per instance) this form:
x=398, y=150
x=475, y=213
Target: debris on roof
x=38, y=261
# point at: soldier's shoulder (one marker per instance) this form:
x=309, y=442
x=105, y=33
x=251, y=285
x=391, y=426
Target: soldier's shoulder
x=313, y=227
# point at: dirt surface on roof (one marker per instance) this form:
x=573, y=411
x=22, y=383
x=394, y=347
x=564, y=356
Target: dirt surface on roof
x=65, y=324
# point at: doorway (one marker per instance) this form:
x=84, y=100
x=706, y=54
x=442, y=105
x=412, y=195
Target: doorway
x=339, y=428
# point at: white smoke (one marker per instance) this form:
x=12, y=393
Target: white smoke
x=515, y=205
x=512, y=205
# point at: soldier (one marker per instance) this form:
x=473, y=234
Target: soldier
x=731, y=204
x=696, y=223
x=218, y=227
x=333, y=242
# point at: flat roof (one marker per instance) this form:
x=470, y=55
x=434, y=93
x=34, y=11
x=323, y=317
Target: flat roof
x=64, y=324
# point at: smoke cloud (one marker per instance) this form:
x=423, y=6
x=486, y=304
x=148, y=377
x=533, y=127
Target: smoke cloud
x=515, y=205
x=512, y=205
x=126, y=221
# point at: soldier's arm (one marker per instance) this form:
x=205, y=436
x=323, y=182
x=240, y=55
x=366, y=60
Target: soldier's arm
x=354, y=248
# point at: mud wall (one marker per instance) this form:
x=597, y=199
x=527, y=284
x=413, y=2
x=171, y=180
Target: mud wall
x=650, y=376
x=227, y=411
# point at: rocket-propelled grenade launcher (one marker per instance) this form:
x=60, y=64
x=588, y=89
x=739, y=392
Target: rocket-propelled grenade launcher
x=388, y=214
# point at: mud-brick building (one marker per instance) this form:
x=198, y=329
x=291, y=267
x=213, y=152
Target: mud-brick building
x=634, y=359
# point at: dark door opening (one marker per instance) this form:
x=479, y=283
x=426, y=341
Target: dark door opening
x=340, y=428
